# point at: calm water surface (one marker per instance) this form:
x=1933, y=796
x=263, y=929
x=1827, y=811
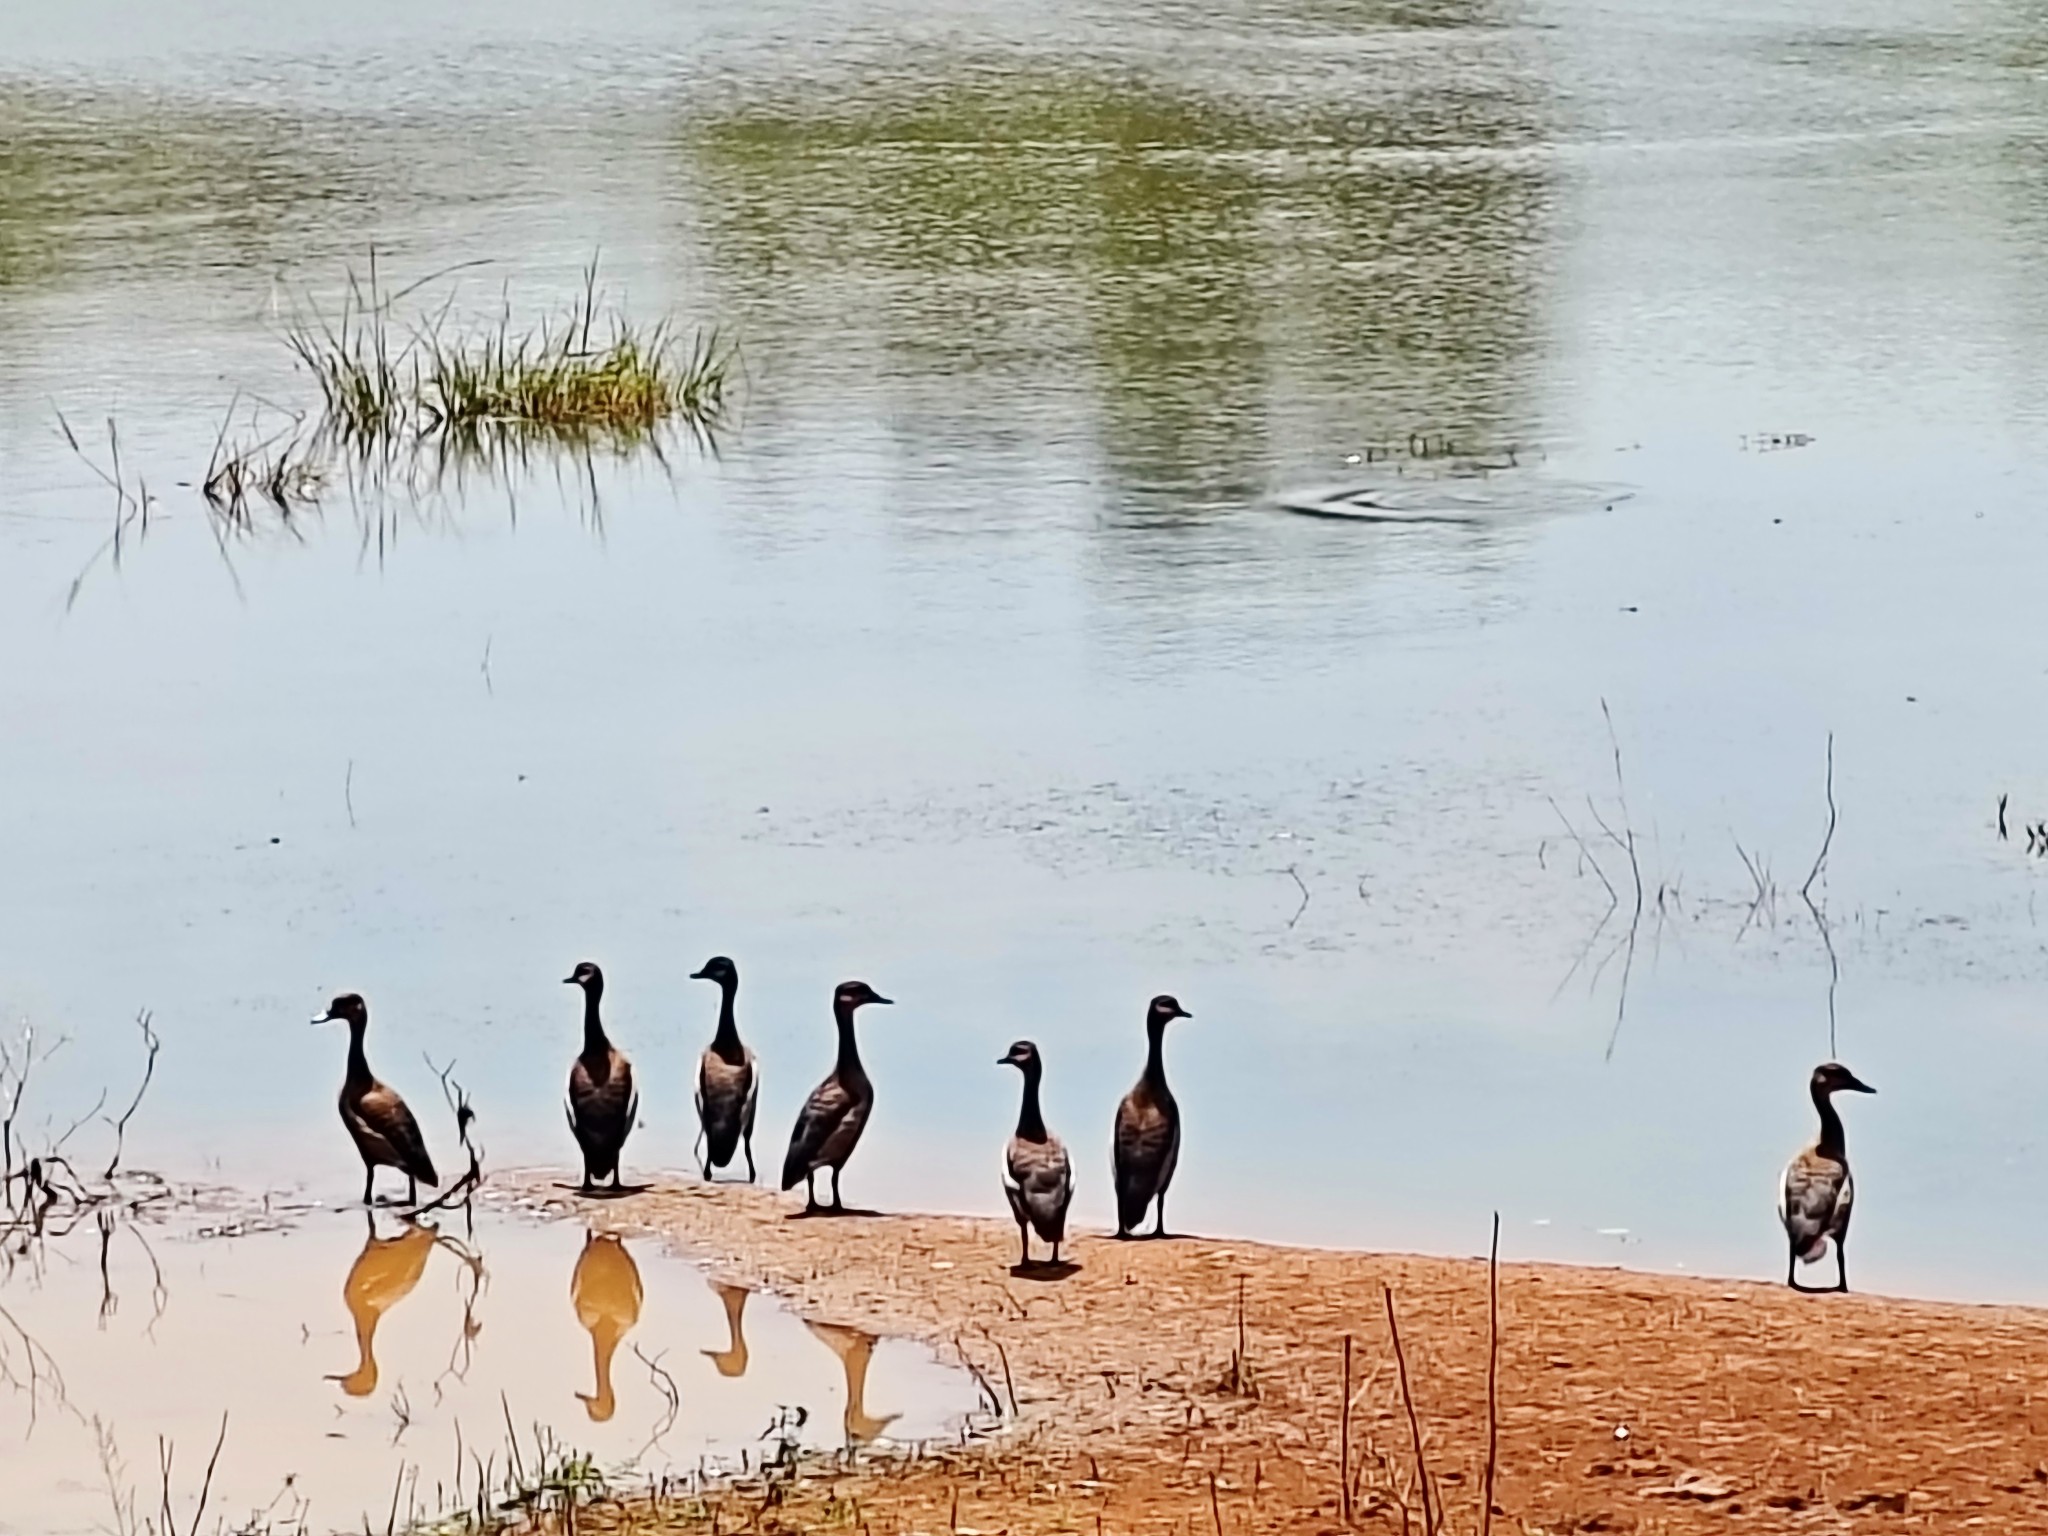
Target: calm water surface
x=982, y=663
x=353, y=1358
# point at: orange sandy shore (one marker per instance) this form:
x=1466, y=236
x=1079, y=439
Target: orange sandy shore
x=1627, y=1402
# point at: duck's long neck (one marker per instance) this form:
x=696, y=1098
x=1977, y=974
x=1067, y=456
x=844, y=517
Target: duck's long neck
x=1030, y=1123
x=594, y=1041
x=849, y=1051
x=1831, y=1143
x=358, y=1063
x=727, y=1041
x=1155, y=1055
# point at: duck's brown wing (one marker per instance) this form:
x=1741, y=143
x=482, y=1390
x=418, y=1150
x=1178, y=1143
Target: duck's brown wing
x=1813, y=1202
x=1145, y=1147
x=602, y=1105
x=387, y=1133
x=824, y=1113
x=725, y=1093
x=1040, y=1185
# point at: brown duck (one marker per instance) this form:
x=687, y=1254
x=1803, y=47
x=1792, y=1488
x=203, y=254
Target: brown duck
x=1037, y=1177
x=382, y=1276
x=605, y=1290
x=1816, y=1196
x=1147, y=1141
x=829, y=1126
x=382, y=1128
x=728, y=1082
x=602, y=1103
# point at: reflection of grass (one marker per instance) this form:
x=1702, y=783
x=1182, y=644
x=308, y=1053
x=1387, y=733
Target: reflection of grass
x=589, y=377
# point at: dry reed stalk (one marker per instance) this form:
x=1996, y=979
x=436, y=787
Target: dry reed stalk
x=1429, y=1523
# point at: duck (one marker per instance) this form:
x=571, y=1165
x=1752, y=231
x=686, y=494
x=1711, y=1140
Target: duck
x=855, y=1350
x=382, y=1276
x=383, y=1129
x=829, y=1126
x=602, y=1103
x=605, y=1290
x=1816, y=1193
x=1037, y=1177
x=731, y=1361
x=728, y=1083
x=1146, y=1145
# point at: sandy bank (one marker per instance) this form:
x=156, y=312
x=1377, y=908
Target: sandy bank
x=1627, y=1402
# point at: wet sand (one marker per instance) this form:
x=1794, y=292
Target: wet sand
x=1627, y=1402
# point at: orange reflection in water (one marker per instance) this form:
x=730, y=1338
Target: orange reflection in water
x=855, y=1349
x=731, y=1360
x=605, y=1289
x=382, y=1276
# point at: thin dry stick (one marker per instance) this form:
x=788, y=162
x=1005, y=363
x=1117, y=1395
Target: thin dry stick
x=1215, y=1508
x=1492, y=1375
x=1414, y=1424
x=1820, y=859
x=152, y=1044
x=1344, y=1437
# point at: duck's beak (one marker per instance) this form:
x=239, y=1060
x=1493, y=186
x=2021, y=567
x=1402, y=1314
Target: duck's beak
x=1857, y=1085
x=324, y=1018
x=876, y=997
x=1182, y=1013
x=568, y=981
x=700, y=975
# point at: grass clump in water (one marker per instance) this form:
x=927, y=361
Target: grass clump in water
x=591, y=377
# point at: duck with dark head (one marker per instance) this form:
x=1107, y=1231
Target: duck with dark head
x=1146, y=1146
x=829, y=1126
x=1037, y=1176
x=377, y=1120
x=728, y=1080
x=602, y=1101
x=1817, y=1194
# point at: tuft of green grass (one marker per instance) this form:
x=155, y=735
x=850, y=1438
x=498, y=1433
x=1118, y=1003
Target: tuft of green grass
x=587, y=377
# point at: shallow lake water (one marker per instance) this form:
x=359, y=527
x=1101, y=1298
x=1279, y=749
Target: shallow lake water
x=983, y=659
x=359, y=1362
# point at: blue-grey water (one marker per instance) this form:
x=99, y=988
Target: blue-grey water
x=980, y=660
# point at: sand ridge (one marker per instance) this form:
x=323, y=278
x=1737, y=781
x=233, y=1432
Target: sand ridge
x=1627, y=1401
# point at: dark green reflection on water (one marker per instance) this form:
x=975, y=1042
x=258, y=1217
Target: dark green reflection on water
x=1229, y=282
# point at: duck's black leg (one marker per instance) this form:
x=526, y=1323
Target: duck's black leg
x=750, y=1157
x=1055, y=1253
x=811, y=1191
x=1841, y=1266
x=1159, y=1222
x=412, y=1190
x=369, y=1184
x=697, y=1151
x=1024, y=1243
x=589, y=1184
x=836, y=1205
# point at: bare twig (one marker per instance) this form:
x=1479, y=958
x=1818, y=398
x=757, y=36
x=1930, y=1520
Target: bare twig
x=1827, y=841
x=1344, y=1439
x=1429, y=1524
x=1492, y=1376
x=144, y=1021
x=1295, y=875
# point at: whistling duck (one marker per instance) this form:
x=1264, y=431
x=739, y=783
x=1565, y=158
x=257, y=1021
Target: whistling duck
x=731, y=1360
x=854, y=1349
x=382, y=1276
x=384, y=1130
x=602, y=1102
x=1147, y=1143
x=605, y=1290
x=837, y=1111
x=1036, y=1174
x=728, y=1082
x=1815, y=1198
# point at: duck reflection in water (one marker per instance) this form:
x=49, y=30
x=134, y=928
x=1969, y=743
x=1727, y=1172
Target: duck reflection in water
x=731, y=1360
x=382, y=1276
x=854, y=1349
x=605, y=1289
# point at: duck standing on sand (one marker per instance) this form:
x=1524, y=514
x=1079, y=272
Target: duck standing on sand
x=829, y=1126
x=1815, y=1198
x=1147, y=1141
x=1037, y=1176
x=602, y=1103
x=728, y=1082
x=383, y=1129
